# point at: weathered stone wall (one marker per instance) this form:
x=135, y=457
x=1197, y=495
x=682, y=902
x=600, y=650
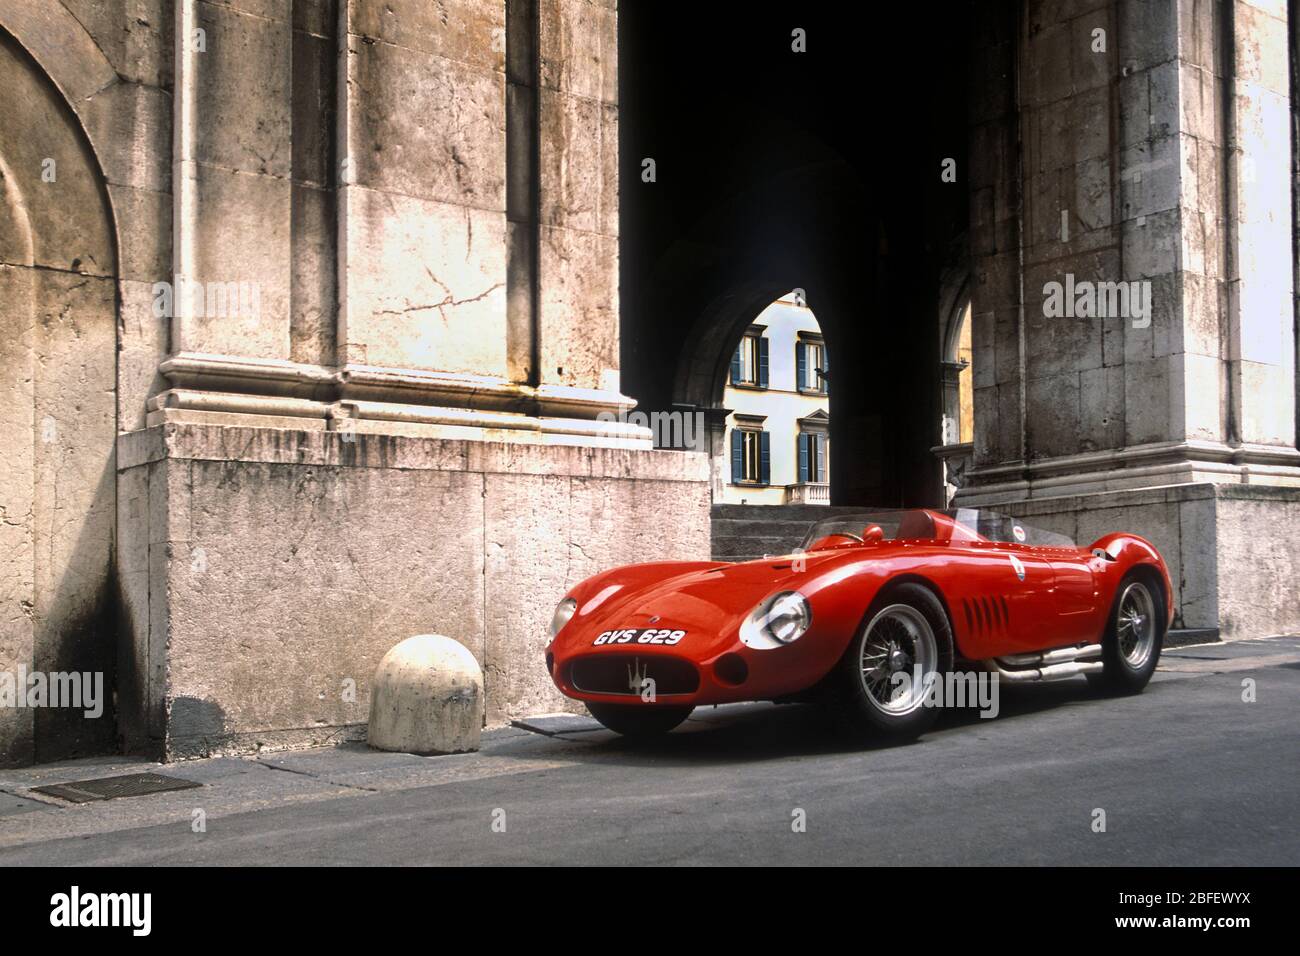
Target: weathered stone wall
x=112, y=62
x=285, y=564
x=1149, y=143
x=423, y=199
x=58, y=259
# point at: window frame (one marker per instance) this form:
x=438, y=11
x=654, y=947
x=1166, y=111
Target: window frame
x=804, y=366
x=754, y=449
x=756, y=342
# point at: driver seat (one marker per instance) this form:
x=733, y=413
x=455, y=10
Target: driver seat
x=916, y=524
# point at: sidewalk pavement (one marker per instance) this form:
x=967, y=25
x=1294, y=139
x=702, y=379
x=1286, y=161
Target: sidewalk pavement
x=545, y=744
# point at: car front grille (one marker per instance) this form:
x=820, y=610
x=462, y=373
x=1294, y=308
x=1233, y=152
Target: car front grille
x=624, y=673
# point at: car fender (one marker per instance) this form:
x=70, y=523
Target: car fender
x=843, y=596
x=1128, y=551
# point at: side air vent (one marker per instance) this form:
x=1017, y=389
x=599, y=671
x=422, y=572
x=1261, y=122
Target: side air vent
x=987, y=616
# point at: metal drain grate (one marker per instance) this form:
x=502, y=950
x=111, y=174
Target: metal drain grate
x=110, y=788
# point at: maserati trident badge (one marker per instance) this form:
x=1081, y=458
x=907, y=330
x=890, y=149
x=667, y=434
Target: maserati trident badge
x=636, y=675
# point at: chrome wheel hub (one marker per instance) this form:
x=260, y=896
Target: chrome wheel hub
x=899, y=641
x=1135, y=625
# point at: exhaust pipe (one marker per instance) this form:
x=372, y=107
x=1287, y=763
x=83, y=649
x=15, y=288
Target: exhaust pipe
x=1051, y=672
x=1060, y=655
x=1061, y=663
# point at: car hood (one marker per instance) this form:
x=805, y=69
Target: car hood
x=710, y=598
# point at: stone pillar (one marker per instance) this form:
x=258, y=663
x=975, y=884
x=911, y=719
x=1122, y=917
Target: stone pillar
x=1257, y=119
x=1132, y=293
x=577, y=255
x=950, y=400
x=231, y=170
x=423, y=198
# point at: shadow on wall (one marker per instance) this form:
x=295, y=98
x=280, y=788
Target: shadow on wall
x=58, y=388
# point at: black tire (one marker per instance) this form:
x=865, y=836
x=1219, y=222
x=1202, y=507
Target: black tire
x=1123, y=670
x=857, y=708
x=632, y=720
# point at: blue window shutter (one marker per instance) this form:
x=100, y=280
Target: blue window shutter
x=735, y=364
x=803, y=458
x=821, y=458
x=737, y=456
x=826, y=368
x=800, y=365
x=762, y=363
x=765, y=459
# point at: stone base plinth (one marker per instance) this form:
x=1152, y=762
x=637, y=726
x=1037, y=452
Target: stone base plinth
x=263, y=572
x=1231, y=548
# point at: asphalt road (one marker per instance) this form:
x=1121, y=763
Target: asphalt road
x=1187, y=773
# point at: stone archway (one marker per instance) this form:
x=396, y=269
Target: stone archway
x=702, y=368
x=58, y=382
x=701, y=374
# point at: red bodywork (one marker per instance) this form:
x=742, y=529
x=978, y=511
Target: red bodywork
x=1065, y=598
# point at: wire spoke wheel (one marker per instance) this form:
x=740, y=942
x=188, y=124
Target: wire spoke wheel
x=1136, y=625
x=899, y=647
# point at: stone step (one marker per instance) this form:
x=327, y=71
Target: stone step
x=782, y=512
x=757, y=546
x=747, y=532
x=738, y=529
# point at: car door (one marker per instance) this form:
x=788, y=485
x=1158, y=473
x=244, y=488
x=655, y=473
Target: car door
x=1030, y=597
x=1074, y=593
x=1004, y=600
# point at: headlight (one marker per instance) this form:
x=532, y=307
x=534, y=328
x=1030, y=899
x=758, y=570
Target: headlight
x=788, y=616
x=781, y=619
x=563, y=611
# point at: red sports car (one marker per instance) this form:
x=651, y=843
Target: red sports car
x=868, y=601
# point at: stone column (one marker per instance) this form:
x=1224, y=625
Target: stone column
x=1132, y=288
x=423, y=198
x=231, y=170
x=1256, y=136
x=577, y=259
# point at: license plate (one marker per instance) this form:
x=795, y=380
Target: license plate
x=641, y=635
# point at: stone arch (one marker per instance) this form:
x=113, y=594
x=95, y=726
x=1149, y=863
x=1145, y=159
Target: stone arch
x=58, y=384
x=701, y=374
x=56, y=40
x=702, y=367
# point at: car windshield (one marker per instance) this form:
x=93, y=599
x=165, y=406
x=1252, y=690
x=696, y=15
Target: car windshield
x=925, y=524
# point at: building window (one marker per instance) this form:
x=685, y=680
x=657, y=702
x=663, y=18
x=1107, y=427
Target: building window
x=810, y=365
x=751, y=457
x=749, y=364
x=812, y=457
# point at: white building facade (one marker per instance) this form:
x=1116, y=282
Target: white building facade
x=778, y=426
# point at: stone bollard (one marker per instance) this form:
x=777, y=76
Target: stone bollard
x=427, y=698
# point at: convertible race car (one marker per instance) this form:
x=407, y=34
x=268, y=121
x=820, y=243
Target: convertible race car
x=867, y=601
